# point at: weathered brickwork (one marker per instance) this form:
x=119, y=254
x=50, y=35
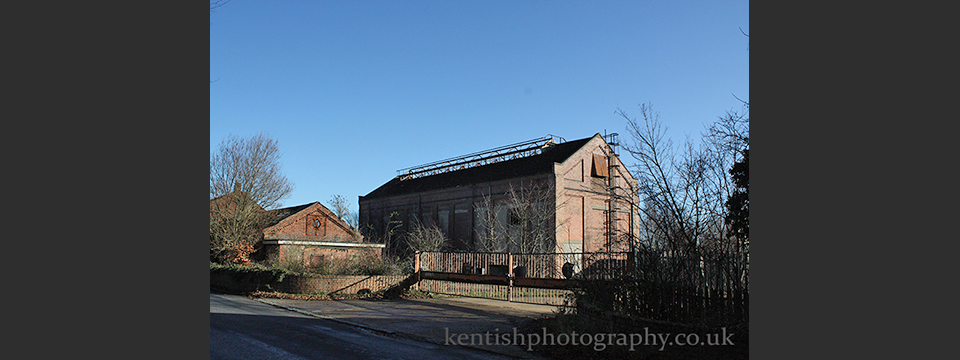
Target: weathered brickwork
x=310, y=233
x=314, y=222
x=340, y=284
x=583, y=199
x=450, y=201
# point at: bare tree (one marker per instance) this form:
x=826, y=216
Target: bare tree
x=254, y=164
x=341, y=209
x=521, y=222
x=384, y=232
x=684, y=194
x=692, y=252
x=679, y=200
x=236, y=224
x=339, y=206
x=245, y=181
x=353, y=219
x=491, y=233
x=531, y=211
x=730, y=134
x=730, y=140
x=425, y=237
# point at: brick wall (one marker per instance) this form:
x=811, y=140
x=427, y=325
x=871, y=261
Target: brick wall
x=452, y=210
x=310, y=255
x=303, y=226
x=581, y=220
x=313, y=223
x=581, y=203
x=342, y=284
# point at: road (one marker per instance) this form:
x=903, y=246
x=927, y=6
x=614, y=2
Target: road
x=242, y=328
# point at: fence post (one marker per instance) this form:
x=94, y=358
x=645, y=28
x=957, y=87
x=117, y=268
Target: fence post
x=509, y=277
x=416, y=268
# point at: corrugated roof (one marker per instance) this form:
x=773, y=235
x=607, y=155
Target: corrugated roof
x=510, y=169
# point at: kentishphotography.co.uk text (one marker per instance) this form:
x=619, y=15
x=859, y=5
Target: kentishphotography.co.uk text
x=599, y=341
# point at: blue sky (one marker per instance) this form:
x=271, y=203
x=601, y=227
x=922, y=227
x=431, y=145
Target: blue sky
x=355, y=90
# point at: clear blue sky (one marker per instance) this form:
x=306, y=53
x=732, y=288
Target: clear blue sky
x=355, y=90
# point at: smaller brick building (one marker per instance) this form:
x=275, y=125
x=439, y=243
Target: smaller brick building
x=310, y=232
x=304, y=233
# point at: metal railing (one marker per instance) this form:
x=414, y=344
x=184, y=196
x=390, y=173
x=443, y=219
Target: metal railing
x=502, y=153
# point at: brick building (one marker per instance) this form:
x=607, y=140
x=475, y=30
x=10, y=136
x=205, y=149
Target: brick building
x=590, y=197
x=303, y=232
x=311, y=231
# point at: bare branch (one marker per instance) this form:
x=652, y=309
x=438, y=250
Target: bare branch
x=216, y=4
x=519, y=222
x=425, y=237
x=245, y=180
x=683, y=193
x=741, y=100
x=253, y=164
x=340, y=206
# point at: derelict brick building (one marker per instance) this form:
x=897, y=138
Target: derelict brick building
x=308, y=232
x=311, y=232
x=592, y=194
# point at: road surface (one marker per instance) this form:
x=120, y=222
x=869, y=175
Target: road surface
x=242, y=328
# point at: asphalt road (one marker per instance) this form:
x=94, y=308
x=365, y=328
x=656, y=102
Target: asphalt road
x=241, y=328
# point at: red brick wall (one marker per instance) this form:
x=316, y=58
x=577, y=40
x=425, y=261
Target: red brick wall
x=581, y=200
x=310, y=255
x=581, y=221
x=300, y=227
x=451, y=209
x=346, y=284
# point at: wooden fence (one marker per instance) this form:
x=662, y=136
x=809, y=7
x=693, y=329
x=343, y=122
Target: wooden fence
x=561, y=266
x=647, y=286
x=547, y=278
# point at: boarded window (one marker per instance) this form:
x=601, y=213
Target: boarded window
x=600, y=166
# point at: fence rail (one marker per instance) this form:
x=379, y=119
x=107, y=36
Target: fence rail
x=646, y=285
x=538, y=266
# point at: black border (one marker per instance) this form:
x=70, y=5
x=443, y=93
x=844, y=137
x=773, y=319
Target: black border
x=108, y=130
x=849, y=178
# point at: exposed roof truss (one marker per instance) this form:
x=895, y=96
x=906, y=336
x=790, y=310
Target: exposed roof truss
x=503, y=153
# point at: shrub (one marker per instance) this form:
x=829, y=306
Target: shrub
x=353, y=265
x=292, y=263
x=362, y=265
x=235, y=277
x=425, y=238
